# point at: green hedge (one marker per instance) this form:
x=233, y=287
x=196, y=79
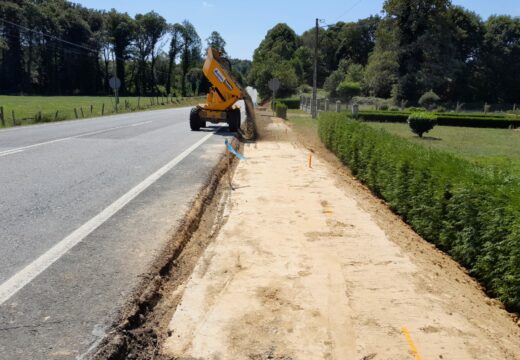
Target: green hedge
x=446, y=119
x=293, y=104
x=471, y=212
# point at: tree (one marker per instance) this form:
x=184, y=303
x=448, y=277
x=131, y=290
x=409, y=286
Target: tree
x=175, y=48
x=151, y=27
x=273, y=58
x=425, y=51
x=216, y=41
x=12, y=57
x=121, y=29
x=191, y=46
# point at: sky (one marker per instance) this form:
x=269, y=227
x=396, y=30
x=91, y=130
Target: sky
x=243, y=24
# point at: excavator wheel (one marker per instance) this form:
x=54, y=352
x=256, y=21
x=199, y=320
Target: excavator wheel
x=234, y=120
x=195, y=121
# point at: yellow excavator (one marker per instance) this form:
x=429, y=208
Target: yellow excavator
x=221, y=101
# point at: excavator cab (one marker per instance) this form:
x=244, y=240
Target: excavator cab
x=221, y=100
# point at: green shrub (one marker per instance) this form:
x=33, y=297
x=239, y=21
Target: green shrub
x=281, y=110
x=383, y=107
x=291, y=103
x=304, y=89
x=347, y=90
x=429, y=99
x=471, y=212
x=421, y=122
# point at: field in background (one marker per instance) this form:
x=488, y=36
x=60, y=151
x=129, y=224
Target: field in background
x=496, y=147
x=38, y=109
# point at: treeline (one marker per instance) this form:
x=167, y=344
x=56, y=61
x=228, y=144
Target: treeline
x=56, y=47
x=416, y=46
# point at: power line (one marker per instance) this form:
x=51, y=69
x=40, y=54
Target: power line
x=350, y=8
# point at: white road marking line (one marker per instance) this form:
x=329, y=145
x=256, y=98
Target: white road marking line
x=20, y=149
x=31, y=271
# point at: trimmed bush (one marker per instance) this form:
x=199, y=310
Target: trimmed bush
x=347, y=90
x=421, y=122
x=281, y=110
x=429, y=99
x=471, y=212
x=291, y=103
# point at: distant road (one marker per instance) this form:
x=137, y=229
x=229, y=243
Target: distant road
x=84, y=208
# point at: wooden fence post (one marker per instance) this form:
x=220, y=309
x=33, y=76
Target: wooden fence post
x=2, y=119
x=81, y=109
x=103, y=109
x=14, y=118
x=39, y=116
x=76, y=112
x=91, y=109
x=56, y=115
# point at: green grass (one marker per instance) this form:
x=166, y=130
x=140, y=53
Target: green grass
x=495, y=147
x=27, y=109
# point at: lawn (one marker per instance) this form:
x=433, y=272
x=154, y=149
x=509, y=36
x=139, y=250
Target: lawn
x=33, y=109
x=496, y=147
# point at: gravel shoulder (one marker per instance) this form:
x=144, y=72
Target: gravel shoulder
x=308, y=264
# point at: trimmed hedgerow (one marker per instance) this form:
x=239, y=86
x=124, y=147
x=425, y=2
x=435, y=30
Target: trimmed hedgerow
x=469, y=211
x=292, y=104
x=446, y=119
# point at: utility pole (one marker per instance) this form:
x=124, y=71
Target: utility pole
x=314, y=103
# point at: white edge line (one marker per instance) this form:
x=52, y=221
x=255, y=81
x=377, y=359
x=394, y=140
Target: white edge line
x=31, y=271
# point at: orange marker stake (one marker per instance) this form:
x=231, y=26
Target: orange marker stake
x=406, y=334
x=310, y=160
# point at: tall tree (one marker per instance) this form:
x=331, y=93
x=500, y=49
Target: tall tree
x=175, y=48
x=425, y=52
x=11, y=75
x=191, y=47
x=121, y=29
x=216, y=41
x=151, y=27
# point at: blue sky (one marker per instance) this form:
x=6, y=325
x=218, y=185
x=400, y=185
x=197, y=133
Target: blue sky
x=243, y=24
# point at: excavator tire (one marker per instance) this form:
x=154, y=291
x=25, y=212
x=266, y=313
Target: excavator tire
x=195, y=121
x=234, y=120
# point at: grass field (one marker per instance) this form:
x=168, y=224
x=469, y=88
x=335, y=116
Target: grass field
x=35, y=109
x=495, y=147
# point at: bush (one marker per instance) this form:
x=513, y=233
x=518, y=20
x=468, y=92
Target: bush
x=290, y=103
x=280, y=109
x=421, y=122
x=415, y=109
x=429, y=99
x=470, y=212
x=383, y=107
x=347, y=90
x=304, y=89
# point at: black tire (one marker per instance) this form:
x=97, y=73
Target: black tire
x=195, y=121
x=234, y=120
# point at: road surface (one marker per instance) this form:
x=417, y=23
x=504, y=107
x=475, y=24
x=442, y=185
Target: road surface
x=85, y=206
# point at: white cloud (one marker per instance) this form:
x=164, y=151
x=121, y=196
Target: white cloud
x=207, y=4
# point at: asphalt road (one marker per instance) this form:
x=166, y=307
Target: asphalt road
x=85, y=206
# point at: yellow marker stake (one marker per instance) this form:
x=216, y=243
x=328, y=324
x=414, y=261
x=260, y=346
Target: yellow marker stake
x=310, y=160
x=406, y=334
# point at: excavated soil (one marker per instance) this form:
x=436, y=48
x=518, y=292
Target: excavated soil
x=308, y=264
